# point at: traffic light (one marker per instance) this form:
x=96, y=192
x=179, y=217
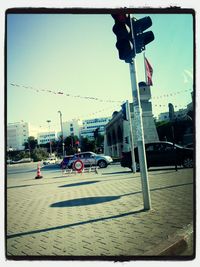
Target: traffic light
x=122, y=30
x=126, y=140
x=142, y=38
x=124, y=115
x=96, y=133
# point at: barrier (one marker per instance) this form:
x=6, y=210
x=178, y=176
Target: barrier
x=79, y=167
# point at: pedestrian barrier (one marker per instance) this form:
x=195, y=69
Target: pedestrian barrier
x=79, y=167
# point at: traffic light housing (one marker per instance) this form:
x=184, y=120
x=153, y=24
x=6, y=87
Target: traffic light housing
x=124, y=115
x=122, y=30
x=126, y=140
x=96, y=133
x=142, y=38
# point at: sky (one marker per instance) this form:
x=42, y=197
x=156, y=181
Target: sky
x=59, y=62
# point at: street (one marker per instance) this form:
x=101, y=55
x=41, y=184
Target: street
x=89, y=214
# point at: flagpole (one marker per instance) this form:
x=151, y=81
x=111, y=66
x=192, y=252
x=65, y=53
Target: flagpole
x=145, y=69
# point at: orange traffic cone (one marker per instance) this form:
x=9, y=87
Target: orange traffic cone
x=38, y=172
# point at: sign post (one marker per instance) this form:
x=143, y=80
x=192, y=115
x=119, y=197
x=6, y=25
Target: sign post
x=131, y=136
x=140, y=136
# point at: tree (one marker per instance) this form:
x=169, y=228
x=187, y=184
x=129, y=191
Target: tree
x=87, y=145
x=70, y=144
x=39, y=154
x=31, y=143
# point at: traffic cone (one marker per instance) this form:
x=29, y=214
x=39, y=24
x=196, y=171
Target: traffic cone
x=38, y=172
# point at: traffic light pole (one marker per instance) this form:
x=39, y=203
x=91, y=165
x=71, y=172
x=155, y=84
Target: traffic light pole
x=131, y=136
x=140, y=136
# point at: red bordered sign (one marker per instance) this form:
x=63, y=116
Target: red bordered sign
x=78, y=165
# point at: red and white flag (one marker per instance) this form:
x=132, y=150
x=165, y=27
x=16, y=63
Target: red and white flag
x=148, y=71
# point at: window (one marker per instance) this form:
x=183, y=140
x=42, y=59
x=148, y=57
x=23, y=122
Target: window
x=150, y=148
x=88, y=155
x=168, y=148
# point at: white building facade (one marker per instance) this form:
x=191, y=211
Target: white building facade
x=72, y=128
x=17, y=135
x=89, y=126
x=46, y=137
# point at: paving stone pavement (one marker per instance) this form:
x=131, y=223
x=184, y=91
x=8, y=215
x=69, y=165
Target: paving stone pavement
x=96, y=214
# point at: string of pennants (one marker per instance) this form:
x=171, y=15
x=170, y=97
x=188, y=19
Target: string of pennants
x=63, y=93
x=166, y=106
x=95, y=98
x=171, y=94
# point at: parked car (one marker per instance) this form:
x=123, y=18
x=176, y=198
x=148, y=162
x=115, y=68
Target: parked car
x=24, y=160
x=65, y=161
x=161, y=154
x=91, y=159
x=9, y=161
x=48, y=161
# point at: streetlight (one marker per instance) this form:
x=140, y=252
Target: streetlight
x=48, y=121
x=61, y=126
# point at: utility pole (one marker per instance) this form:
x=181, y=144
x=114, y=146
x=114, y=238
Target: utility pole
x=48, y=121
x=61, y=126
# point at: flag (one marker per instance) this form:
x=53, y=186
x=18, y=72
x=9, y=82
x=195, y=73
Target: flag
x=149, y=72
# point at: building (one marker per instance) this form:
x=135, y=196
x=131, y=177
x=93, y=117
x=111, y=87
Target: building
x=178, y=115
x=17, y=135
x=45, y=137
x=164, y=116
x=115, y=130
x=72, y=128
x=89, y=126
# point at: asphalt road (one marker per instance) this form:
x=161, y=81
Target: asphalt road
x=29, y=169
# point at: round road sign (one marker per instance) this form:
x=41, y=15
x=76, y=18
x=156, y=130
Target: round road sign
x=78, y=165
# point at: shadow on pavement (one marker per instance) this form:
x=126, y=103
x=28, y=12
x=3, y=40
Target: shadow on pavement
x=164, y=172
x=19, y=186
x=172, y=169
x=122, y=172
x=84, y=201
x=74, y=224
x=98, y=200
x=89, y=201
x=77, y=184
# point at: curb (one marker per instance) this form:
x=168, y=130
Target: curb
x=176, y=244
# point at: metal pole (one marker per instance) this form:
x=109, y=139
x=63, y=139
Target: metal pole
x=61, y=126
x=131, y=136
x=49, y=138
x=140, y=136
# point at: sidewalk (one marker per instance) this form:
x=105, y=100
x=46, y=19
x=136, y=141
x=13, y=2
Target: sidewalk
x=99, y=214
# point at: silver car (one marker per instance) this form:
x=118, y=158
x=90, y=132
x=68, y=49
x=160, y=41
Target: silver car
x=91, y=159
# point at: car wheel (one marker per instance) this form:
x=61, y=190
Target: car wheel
x=188, y=163
x=102, y=164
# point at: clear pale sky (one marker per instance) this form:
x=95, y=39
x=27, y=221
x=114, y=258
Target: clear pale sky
x=76, y=54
